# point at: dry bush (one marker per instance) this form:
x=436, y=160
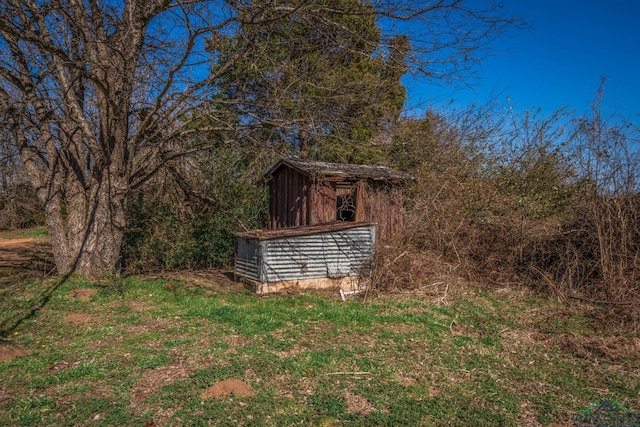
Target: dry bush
x=595, y=253
x=400, y=268
x=558, y=215
x=19, y=207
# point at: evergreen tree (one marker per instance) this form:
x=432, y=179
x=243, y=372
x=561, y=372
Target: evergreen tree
x=318, y=84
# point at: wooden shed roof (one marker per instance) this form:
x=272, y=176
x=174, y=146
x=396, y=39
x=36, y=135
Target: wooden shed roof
x=343, y=171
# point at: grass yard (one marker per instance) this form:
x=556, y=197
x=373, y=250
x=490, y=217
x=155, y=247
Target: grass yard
x=147, y=352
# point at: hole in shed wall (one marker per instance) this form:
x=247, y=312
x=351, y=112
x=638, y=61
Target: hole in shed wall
x=346, y=202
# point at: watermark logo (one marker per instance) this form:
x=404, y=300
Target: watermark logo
x=605, y=414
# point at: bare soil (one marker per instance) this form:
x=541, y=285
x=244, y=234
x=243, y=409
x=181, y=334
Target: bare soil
x=228, y=387
x=210, y=281
x=21, y=258
x=24, y=257
x=8, y=352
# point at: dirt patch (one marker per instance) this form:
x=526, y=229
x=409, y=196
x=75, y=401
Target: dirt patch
x=235, y=341
x=154, y=379
x=8, y=352
x=612, y=348
x=77, y=319
x=358, y=404
x=228, y=387
x=82, y=294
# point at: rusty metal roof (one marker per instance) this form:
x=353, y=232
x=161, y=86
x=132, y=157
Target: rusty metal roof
x=299, y=231
x=340, y=170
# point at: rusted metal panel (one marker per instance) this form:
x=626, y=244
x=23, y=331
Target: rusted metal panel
x=299, y=231
x=248, y=259
x=328, y=251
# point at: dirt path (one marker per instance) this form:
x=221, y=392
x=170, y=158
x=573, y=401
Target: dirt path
x=20, y=258
x=25, y=257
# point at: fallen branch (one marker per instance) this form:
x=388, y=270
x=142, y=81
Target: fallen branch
x=559, y=293
x=432, y=284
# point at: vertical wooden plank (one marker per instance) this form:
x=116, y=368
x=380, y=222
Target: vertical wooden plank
x=291, y=199
x=273, y=203
x=312, y=201
x=295, y=197
x=273, y=215
x=299, y=199
x=286, y=197
x=277, y=198
x=359, y=189
x=329, y=201
x=281, y=196
x=304, y=214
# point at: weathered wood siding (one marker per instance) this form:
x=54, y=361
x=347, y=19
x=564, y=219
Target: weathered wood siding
x=381, y=204
x=296, y=199
x=289, y=199
x=323, y=202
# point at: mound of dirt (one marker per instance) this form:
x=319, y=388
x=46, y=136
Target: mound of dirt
x=228, y=387
x=8, y=352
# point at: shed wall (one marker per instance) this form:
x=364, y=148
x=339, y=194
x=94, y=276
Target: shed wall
x=332, y=255
x=289, y=199
x=382, y=205
x=323, y=202
x=297, y=199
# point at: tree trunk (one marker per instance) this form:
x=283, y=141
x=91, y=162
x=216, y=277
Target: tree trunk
x=97, y=249
x=87, y=231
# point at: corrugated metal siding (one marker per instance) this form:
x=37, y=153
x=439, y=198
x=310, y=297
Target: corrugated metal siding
x=248, y=258
x=331, y=254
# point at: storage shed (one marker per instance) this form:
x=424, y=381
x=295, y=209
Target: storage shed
x=320, y=256
x=306, y=192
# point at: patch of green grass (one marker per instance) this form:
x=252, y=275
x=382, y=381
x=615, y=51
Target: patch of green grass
x=24, y=233
x=39, y=232
x=152, y=347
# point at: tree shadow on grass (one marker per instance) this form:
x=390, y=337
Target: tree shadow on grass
x=25, y=258
x=9, y=325
x=21, y=260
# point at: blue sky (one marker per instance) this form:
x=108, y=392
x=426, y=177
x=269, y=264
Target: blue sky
x=558, y=61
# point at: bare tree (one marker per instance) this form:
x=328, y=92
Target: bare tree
x=18, y=205
x=98, y=95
